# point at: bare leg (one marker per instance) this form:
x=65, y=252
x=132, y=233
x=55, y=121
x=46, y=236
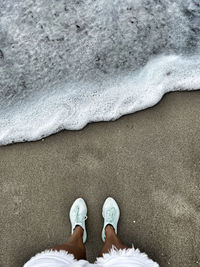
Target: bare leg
x=74, y=244
x=111, y=240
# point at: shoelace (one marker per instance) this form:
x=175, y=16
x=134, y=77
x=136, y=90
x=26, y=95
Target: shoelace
x=79, y=217
x=110, y=215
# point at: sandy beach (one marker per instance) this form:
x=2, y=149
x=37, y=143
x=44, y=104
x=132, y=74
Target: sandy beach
x=148, y=161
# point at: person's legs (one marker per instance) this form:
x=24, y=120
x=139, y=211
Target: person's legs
x=111, y=214
x=111, y=240
x=74, y=244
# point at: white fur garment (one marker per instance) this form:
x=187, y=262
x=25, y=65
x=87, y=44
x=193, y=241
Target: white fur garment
x=116, y=258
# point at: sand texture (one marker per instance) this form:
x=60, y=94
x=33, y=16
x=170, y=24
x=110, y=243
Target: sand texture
x=148, y=161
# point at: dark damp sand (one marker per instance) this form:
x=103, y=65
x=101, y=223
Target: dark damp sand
x=148, y=161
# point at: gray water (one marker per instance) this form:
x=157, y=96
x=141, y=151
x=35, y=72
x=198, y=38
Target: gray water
x=66, y=63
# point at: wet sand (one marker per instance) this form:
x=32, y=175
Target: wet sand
x=148, y=161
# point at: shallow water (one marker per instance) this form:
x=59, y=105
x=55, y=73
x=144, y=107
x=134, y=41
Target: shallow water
x=65, y=64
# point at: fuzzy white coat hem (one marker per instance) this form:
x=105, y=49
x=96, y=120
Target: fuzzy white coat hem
x=115, y=258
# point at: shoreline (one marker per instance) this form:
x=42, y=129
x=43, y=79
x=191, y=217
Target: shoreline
x=148, y=161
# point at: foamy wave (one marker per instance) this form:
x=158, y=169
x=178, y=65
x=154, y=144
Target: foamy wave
x=108, y=100
x=63, y=66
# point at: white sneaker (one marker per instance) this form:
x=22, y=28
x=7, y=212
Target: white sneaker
x=78, y=215
x=110, y=213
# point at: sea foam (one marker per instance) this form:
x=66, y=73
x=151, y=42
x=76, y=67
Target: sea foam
x=66, y=64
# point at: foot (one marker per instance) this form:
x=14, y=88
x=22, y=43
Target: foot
x=78, y=215
x=110, y=213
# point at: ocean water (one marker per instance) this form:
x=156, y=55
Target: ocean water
x=64, y=64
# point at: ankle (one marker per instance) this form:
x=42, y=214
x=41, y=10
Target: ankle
x=109, y=230
x=78, y=230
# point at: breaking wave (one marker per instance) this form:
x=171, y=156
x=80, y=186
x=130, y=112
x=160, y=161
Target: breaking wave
x=68, y=63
